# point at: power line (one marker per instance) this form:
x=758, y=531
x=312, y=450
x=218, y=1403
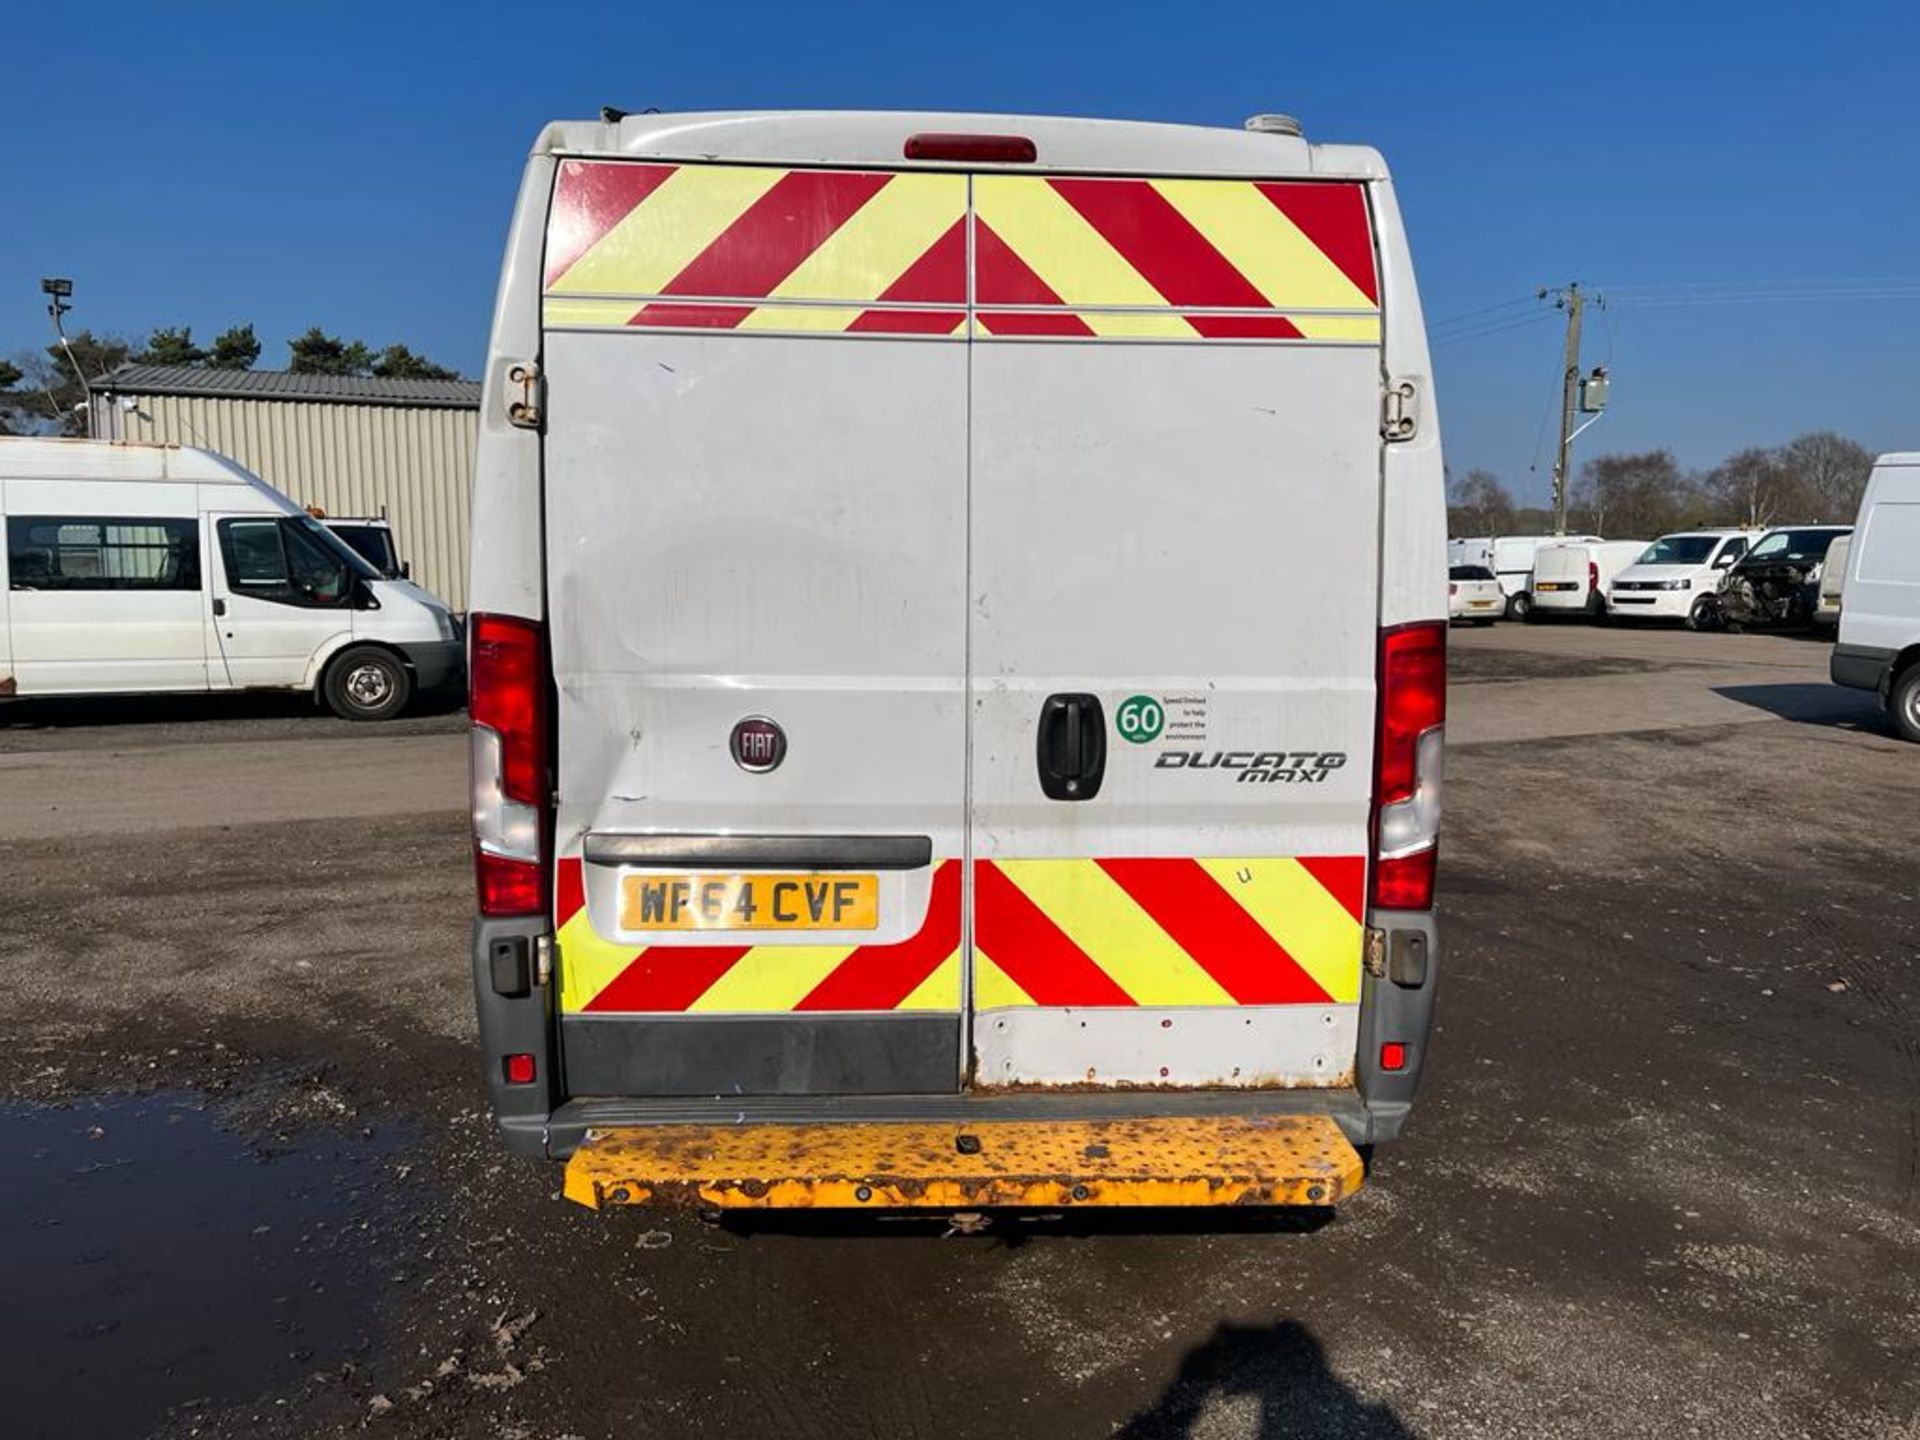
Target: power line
x=1453, y=320
x=1500, y=327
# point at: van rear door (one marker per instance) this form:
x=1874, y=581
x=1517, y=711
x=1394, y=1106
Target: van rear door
x=755, y=482
x=1175, y=436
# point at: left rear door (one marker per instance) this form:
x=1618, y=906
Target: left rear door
x=755, y=491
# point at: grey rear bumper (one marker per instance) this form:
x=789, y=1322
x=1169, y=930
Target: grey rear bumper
x=1861, y=667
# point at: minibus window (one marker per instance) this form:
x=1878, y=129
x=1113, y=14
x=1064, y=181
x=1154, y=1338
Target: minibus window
x=53, y=552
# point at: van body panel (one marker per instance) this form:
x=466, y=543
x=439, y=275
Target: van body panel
x=1881, y=610
x=1099, y=567
x=86, y=640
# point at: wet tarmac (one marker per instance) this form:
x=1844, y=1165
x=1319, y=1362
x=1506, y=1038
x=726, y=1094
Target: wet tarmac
x=160, y=1263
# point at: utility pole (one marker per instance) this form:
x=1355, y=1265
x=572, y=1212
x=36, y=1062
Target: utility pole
x=1574, y=303
x=1579, y=394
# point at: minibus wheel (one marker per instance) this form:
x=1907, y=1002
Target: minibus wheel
x=365, y=683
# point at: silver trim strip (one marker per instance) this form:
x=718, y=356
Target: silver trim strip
x=762, y=852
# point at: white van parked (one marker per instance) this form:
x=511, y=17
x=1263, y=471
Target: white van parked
x=1833, y=583
x=880, y=798
x=144, y=568
x=1879, y=640
x=1571, y=578
x=1677, y=577
x=1511, y=558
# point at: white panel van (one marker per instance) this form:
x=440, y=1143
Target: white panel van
x=916, y=760
x=1878, y=646
x=1571, y=578
x=146, y=568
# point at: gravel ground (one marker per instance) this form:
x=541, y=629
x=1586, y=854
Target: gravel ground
x=1662, y=1179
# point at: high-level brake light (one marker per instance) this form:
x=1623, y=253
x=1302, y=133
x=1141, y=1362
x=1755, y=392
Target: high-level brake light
x=972, y=149
x=1413, y=714
x=506, y=683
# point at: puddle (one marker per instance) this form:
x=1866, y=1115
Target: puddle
x=152, y=1262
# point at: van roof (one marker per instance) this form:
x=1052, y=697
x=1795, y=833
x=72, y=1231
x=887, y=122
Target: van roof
x=877, y=137
x=32, y=457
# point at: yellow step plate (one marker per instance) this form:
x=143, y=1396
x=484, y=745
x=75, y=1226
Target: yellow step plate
x=1168, y=1160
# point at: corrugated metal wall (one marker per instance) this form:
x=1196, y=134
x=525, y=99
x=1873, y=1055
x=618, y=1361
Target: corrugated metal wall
x=415, y=461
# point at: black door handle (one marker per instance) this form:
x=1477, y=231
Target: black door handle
x=219, y=606
x=1070, y=746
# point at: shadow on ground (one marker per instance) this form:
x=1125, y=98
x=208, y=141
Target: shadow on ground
x=81, y=711
x=1018, y=1228
x=1279, y=1374
x=1811, y=704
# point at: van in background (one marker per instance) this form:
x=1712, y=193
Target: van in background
x=137, y=568
x=1511, y=558
x=1833, y=581
x=1571, y=578
x=1879, y=640
x=1677, y=577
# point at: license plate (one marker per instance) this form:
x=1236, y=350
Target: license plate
x=1481, y=604
x=749, y=902
x=1554, y=585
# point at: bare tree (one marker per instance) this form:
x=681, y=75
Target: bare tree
x=1752, y=487
x=1478, y=504
x=1830, y=473
x=1639, y=495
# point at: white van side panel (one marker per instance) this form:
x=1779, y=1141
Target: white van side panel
x=507, y=575
x=1413, y=497
x=88, y=641
x=1881, y=605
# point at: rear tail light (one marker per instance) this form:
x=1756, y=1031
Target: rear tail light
x=507, y=687
x=1593, y=575
x=1409, y=757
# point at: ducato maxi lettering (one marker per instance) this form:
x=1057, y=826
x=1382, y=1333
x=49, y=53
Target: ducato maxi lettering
x=1267, y=767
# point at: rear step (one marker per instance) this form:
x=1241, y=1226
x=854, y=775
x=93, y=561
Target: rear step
x=1159, y=1160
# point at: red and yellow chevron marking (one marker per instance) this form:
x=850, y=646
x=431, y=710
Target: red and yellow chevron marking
x=1168, y=931
x=634, y=245
x=1145, y=259
x=1158, y=932
x=806, y=250
x=597, y=976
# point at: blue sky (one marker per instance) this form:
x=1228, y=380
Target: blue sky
x=353, y=166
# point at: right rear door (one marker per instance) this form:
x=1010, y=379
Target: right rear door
x=1174, y=510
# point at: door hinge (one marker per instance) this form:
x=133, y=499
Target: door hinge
x=526, y=394
x=1400, y=410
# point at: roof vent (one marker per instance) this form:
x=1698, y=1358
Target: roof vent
x=1273, y=125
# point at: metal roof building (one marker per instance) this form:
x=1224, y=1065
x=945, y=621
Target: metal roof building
x=350, y=445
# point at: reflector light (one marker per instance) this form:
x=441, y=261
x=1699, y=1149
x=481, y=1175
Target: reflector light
x=986, y=149
x=508, y=887
x=520, y=1069
x=1393, y=1056
x=1405, y=882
